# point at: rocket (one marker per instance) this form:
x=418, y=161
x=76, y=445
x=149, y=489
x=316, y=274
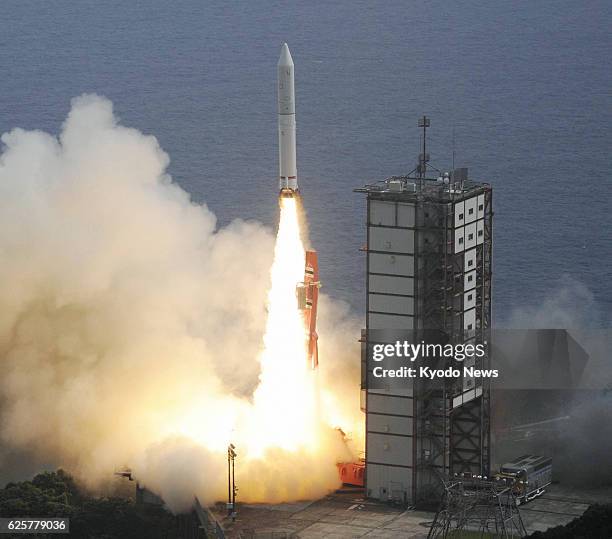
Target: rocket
x=286, y=125
x=307, y=291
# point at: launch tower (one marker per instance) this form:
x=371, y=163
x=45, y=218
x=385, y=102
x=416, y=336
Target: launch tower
x=428, y=253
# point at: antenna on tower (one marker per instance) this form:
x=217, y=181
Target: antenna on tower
x=424, y=122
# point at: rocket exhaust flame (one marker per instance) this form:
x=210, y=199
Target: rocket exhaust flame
x=285, y=401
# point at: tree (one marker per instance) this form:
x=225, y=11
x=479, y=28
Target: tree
x=55, y=494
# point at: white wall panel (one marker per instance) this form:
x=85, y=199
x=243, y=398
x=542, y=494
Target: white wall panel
x=467, y=396
x=389, y=424
x=396, y=240
x=469, y=261
x=388, y=321
x=470, y=235
x=405, y=215
x=390, y=304
x=459, y=214
x=479, y=232
x=391, y=285
x=386, y=449
x=469, y=299
x=382, y=213
x=471, y=207
x=392, y=264
x=405, y=391
x=386, y=404
x=459, y=240
x=481, y=203
x=469, y=382
x=382, y=480
x=469, y=280
x=469, y=320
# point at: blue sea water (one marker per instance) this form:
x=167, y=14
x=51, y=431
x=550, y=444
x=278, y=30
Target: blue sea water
x=525, y=86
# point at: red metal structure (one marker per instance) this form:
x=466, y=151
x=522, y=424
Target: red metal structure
x=351, y=473
x=308, y=297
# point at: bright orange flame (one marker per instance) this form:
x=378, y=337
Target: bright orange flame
x=285, y=400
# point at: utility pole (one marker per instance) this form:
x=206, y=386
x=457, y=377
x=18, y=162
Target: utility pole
x=231, y=481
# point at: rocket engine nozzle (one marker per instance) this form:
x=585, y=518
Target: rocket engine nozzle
x=287, y=192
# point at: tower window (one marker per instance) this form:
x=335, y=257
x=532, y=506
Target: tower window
x=460, y=217
x=460, y=241
x=479, y=233
x=470, y=278
x=471, y=211
x=469, y=326
x=470, y=263
x=471, y=237
x=481, y=207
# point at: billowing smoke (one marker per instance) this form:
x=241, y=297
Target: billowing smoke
x=577, y=431
x=569, y=305
x=130, y=326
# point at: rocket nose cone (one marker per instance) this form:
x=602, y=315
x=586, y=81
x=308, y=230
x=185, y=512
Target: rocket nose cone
x=285, y=56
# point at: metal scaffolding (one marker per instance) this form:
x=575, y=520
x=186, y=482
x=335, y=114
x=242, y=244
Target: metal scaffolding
x=476, y=504
x=453, y=439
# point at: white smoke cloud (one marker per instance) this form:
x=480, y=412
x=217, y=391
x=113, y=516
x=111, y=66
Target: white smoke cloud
x=340, y=369
x=128, y=322
x=569, y=304
x=581, y=445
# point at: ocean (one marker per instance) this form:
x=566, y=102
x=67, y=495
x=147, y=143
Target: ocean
x=523, y=88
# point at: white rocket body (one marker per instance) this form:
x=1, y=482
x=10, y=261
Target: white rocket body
x=286, y=124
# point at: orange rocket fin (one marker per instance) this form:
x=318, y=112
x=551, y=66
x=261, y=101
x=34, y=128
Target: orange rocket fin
x=308, y=298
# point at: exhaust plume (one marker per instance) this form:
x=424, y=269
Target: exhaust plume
x=132, y=329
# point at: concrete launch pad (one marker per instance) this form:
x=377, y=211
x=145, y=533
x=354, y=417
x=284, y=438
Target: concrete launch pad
x=337, y=515
x=342, y=514
x=346, y=514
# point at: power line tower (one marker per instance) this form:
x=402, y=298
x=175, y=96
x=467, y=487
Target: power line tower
x=477, y=504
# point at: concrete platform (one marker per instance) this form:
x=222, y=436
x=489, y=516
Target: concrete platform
x=346, y=514
x=339, y=515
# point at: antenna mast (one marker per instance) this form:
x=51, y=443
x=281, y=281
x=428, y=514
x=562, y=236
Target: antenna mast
x=424, y=122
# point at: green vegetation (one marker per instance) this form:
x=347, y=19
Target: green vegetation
x=55, y=494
